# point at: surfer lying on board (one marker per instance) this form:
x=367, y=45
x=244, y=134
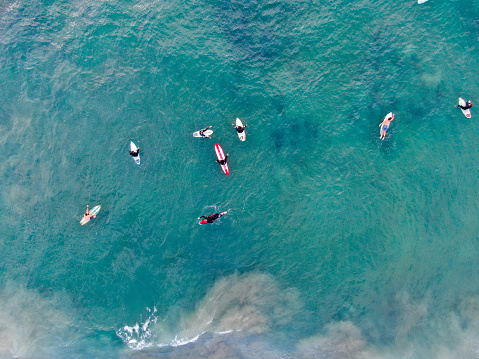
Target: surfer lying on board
x=135, y=153
x=223, y=162
x=202, y=132
x=239, y=129
x=385, y=125
x=87, y=214
x=211, y=218
x=468, y=105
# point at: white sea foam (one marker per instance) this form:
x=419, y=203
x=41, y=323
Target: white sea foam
x=139, y=337
x=241, y=316
x=251, y=304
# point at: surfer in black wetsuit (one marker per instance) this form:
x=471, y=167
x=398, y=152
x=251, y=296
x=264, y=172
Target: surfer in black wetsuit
x=223, y=162
x=468, y=105
x=135, y=153
x=239, y=129
x=202, y=132
x=211, y=218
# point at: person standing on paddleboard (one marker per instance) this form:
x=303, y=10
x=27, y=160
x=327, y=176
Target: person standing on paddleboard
x=211, y=218
x=135, y=153
x=468, y=105
x=385, y=125
x=202, y=132
x=87, y=214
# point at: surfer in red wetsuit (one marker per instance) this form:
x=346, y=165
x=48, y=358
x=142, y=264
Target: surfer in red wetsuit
x=211, y=218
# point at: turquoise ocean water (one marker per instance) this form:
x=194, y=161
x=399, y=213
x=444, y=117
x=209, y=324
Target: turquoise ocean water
x=336, y=244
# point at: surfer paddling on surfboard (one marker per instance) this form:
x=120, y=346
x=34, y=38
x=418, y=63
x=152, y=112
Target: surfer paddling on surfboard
x=87, y=216
x=240, y=129
x=467, y=106
x=211, y=218
x=135, y=153
x=385, y=124
x=223, y=162
x=202, y=132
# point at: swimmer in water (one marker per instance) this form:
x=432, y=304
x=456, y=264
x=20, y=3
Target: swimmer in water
x=385, y=125
x=211, y=218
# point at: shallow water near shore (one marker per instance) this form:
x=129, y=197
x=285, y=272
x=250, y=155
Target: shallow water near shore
x=336, y=244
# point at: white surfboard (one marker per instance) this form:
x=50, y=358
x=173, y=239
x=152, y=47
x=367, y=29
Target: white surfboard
x=93, y=211
x=241, y=135
x=467, y=112
x=133, y=148
x=206, y=133
x=421, y=1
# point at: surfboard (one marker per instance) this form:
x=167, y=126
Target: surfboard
x=241, y=135
x=467, y=112
x=93, y=211
x=134, y=148
x=206, y=133
x=421, y=1
x=389, y=115
x=221, y=156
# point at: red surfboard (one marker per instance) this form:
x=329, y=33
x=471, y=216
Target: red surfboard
x=221, y=156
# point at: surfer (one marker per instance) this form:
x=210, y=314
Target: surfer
x=240, y=129
x=385, y=125
x=202, y=132
x=87, y=214
x=211, y=218
x=223, y=162
x=135, y=153
x=468, y=105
